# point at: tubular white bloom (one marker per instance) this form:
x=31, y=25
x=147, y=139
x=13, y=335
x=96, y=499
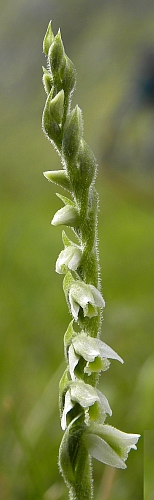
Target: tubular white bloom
x=85, y=296
x=93, y=350
x=85, y=395
x=109, y=445
x=67, y=215
x=69, y=258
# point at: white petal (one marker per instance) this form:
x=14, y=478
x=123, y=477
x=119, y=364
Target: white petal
x=67, y=407
x=99, y=449
x=98, y=299
x=74, y=305
x=107, y=352
x=82, y=293
x=63, y=259
x=68, y=258
x=73, y=361
x=86, y=346
x=84, y=394
x=122, y=440
x=60, y=262
x=104, y=402
x=75, y=259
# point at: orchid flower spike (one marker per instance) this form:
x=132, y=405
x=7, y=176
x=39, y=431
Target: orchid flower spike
x=83, y=408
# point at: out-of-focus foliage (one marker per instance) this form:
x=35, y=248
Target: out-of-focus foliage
x=148, y=464
x=107, y=42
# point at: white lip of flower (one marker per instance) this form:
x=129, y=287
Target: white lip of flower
x=85, y=296
x=69, y=258
x=90, y=349
x=86, y=396
x=109, y=445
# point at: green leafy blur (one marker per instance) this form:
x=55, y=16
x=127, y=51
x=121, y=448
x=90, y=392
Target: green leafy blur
x=109, y=44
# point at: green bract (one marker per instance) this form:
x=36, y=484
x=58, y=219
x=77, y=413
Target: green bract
x=83, y=408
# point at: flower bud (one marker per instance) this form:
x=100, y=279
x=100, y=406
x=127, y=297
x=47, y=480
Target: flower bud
x=49, y=125
x=68, y=77
x=87, y=164
x=56, y=54
x=58, y=177
x=47, y=81
x=57, y=106
x=73, y=130
x=48, y=39
x=67, y=215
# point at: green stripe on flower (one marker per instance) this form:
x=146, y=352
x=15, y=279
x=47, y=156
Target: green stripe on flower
x=109, y=445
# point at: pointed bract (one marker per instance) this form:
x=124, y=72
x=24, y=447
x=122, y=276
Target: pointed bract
x=48, y=39
x=57, y=106
x=69, y=77
x=56, y=54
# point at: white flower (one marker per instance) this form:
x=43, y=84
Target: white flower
x=69, y=258
x=85, y=296
x=67, y=215
x=85, y=395
x=109, y=445
x=93, y=350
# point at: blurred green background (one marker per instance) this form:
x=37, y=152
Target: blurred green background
x=112, y=47
x=148, y=464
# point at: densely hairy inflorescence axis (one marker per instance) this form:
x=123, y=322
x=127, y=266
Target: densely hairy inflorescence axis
x=83, y=408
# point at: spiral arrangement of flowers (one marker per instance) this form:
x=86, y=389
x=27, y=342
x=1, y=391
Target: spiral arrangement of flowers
x=83, y=408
